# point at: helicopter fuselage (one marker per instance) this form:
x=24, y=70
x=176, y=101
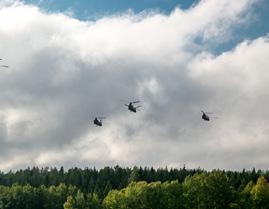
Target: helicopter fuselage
x=205, y=117
x=131, y=108
x=97, y=122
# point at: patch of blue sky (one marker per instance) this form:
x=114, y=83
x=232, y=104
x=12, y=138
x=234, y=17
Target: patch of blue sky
x=256, y=27
x=93, y=9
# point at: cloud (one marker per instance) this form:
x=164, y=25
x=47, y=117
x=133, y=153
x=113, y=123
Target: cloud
x=62, y=70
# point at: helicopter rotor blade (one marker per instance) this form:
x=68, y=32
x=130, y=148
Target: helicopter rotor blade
x=138, y=107
x=4, y=66
x=123, y=100
x=92, y=116
x=126, y=105
x=206, y=112
x=128, y=101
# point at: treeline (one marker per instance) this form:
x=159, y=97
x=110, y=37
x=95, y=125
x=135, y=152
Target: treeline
x=91, y=180
x=101, y=181
x=202, y=190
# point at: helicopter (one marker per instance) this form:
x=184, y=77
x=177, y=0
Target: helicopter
x=205, y=115
x=98, y=121
x=5, y=66
x=131, y=107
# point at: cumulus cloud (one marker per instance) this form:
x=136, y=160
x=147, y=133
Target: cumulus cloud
x=62, y=70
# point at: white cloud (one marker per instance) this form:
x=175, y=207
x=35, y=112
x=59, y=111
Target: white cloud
x=63, y=69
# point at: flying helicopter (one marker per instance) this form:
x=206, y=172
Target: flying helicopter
x=98, y=121
x=5, y=66
x=131, y=107
x=205, y=115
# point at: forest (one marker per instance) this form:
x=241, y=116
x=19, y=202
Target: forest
x=133, y=188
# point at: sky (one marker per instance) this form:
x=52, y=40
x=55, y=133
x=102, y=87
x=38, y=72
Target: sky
x=71, y=60
x=85, y=9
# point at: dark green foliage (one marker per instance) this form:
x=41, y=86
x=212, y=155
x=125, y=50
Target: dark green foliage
x=20, y=197
x=208, y=191
x=125, y=188
x=90, y=180
x=55, y=196
x=82, y=201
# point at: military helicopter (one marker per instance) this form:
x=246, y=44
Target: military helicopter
x=98, y=121
x=131, y=107
x=5, y=66
x=205, y=115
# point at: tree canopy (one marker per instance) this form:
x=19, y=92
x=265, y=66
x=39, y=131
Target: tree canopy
x=137, y=188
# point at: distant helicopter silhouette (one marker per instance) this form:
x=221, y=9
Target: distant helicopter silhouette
x=5, y=66
x=98, y=121
x=205, y=116
x=131, y=107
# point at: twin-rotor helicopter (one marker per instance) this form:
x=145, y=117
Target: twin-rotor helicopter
x=5, y=66
x=205, y=115
x=98, y=120
x=131, y=107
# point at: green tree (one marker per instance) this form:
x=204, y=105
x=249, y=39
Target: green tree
x=260, y=193
x=244, y=196
x=93, y=201
x=55, y=196
x=19, y=197
x=80, y=201
x=142, y=195
x=77, y=202
x=70, y=203
x=208, y=191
